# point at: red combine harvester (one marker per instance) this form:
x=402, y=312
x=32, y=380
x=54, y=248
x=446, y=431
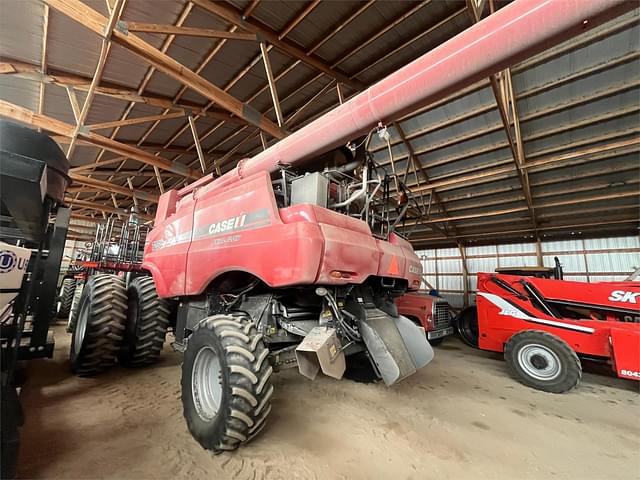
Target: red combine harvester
x=544, y=326
x=291, y=258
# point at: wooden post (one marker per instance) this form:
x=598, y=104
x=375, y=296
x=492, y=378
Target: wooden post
x=465, y=275
x=539, y=257
x=196, y=140
x=272, y=83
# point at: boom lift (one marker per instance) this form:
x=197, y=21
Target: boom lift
x=545, y=326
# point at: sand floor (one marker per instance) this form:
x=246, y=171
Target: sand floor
x=460, y=417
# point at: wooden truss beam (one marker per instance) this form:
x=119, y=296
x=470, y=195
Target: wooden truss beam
x=188, y=31
x=107, y=32
x=96, y=22
x=110, y=187
x=235, y=17
x=32, y=119
x=28, y=71
x=100, y=207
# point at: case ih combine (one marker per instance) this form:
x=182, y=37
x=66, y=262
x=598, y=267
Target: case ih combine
x=544, y=326
x=291, y=258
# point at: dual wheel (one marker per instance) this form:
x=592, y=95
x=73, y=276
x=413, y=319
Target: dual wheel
x=226, y=373
x=115, y=323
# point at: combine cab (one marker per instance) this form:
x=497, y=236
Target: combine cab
x=545, y=326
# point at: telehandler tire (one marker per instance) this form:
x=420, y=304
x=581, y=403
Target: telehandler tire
x=65, y=297
x=466, y=323
x=75, y=302
x=543, y=361
x=226, y=382
x=98, y=333
x=147, y=322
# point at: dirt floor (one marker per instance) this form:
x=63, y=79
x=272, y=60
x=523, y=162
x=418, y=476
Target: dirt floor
x=460, y=417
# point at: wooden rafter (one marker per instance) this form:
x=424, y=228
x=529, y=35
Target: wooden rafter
x=32, y=119
x=96, y=22
x=107, y=33
x=43, y=55
x=507, y=117
x=135, y=121
x=272, y=83
x=32, y=72
x=110, y=187
x=189, y=31
x=235, y=17
x=100, y=207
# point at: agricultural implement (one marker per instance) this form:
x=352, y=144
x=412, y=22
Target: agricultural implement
x=292, y=258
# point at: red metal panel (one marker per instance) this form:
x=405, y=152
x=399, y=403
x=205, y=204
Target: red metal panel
x=165, y=251
x=626, y=353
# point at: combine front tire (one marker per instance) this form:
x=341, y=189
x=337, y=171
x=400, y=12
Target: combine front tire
x=100, y=324
x=65, y=297
x=543, y=361
x=226, y=387
x=147, y=322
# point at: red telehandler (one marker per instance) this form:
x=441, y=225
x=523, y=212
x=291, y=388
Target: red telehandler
x=545, y=326
x=292, y=258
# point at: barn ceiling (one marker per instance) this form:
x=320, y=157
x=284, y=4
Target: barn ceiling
x=546, y=148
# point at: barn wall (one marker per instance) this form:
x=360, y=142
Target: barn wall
x=586, y=260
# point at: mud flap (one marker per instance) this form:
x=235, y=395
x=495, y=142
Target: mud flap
x=397, y=346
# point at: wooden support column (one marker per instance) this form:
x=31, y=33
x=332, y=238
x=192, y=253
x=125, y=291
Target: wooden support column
x=43, y=55
x=196, y=141
x=339, y=90
x=130, y=183
x=465, y=274
x=188, y=31
x=159, y=179
x=539, y=257
x=272, y=83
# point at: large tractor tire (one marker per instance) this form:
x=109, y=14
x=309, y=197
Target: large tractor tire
x=467, y=326
x=543, y=361
x=100, y=324
x=65, y=297
x=226, y=382
x=147, y=322
x=75, y=303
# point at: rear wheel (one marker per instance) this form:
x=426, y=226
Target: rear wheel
x=467, y=326
x=65, y=297
x=98, y=333
x=543, y=361
x=147, y=322
x=75, y=303
x=226, y=382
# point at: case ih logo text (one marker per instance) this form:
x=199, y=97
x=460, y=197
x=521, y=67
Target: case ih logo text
x=228, y=224
x=622, y=296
